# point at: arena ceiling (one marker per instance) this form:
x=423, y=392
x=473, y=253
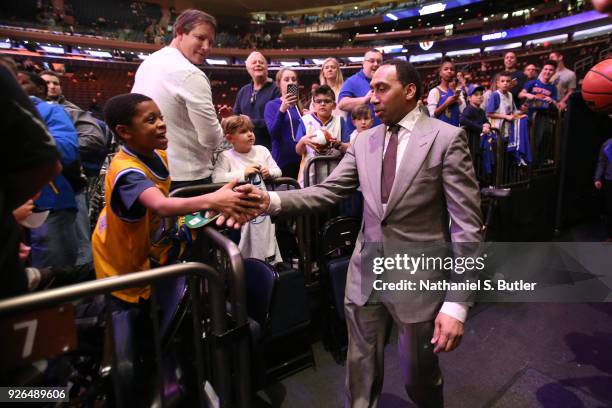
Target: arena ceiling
x=244, y=7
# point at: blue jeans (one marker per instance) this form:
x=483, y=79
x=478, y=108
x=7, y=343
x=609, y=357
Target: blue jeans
x=55, y=242
x=83, y=229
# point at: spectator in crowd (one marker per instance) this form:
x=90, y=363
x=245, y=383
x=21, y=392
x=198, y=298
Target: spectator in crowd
x=541, y=96
x=283, y=118
x=518, y=77
x=183, y=93
x=94, y=143
x=473, y=116
x=123, y=238
x=445, y=102
x=603, y=181
x=55, y=242
x=331, y=75
x=487, y=94
x=564, y=79
x=253, y=164
x=33, y=162
x=464, y=82
x=356, y=89
x=541, y=93
x=428, y=327
x=309, y=144
x=129, y=234
x=500, y=106
x=531, y=72
x=307, y=101
x=252, y=98
x=474, y=119
x=362, y=121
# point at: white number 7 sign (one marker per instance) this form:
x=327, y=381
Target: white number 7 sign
x=30, y=326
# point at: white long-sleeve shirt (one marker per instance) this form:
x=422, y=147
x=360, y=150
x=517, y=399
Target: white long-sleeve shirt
x=258, y=237
x=182, y=92
x=230, y=164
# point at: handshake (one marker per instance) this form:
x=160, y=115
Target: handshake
x=238, y=205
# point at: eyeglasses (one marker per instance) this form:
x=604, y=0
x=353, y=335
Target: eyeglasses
x=323, y=101
x=373, y=60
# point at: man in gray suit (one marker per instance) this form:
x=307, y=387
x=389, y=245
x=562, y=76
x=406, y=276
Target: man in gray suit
x=415, y=174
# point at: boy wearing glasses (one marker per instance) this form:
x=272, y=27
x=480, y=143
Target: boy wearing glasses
x=309, y=143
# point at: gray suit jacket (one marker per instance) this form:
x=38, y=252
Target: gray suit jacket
x=434, y=183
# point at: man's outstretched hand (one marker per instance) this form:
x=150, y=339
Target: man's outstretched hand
x=239, y=205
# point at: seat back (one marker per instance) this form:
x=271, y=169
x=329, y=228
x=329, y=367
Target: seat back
x=337, y=270
x=338, y=237
x=290, y=309
x=261, y=281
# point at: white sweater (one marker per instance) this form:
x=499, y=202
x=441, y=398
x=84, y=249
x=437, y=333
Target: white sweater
x=182, y=92
x=231, y=164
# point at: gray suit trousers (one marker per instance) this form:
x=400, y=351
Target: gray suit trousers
x=367, y=326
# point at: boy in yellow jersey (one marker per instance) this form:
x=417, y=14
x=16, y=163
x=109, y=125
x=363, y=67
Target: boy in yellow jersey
x=137, y=185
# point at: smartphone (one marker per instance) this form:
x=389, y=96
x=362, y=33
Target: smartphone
x=293, y=89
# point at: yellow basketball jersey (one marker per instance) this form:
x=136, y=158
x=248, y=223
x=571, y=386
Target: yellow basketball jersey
x=121, y=245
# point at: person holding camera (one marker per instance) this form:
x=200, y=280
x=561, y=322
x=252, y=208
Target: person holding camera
x=252, y=163
x=283, y=117
x=445, y=102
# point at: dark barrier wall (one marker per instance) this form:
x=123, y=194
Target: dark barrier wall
x=585, y=131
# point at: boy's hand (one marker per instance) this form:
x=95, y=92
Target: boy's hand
x=265, y=172
x=308, y=141
x=237, y=206
x=24, y=251
x=509, y=117
x=486, y=128
x=24, y=211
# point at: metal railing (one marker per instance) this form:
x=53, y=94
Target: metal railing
x=295, y=223
x=53, y=297
x=506, y=172
x=229, y=264
x=320, y=167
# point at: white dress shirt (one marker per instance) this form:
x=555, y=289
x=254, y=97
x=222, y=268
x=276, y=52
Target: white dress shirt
x=182, y=92
x=453, y=309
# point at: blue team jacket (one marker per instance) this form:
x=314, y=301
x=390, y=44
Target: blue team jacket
x=58, y=194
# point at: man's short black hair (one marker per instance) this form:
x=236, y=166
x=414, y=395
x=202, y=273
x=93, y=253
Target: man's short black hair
x=120, y=109
x=550, y=62
x=36, y=80
x=325, y=90
x=406, y=74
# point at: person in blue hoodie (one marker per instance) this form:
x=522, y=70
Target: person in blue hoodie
x=54, y=243
x=283, y=118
